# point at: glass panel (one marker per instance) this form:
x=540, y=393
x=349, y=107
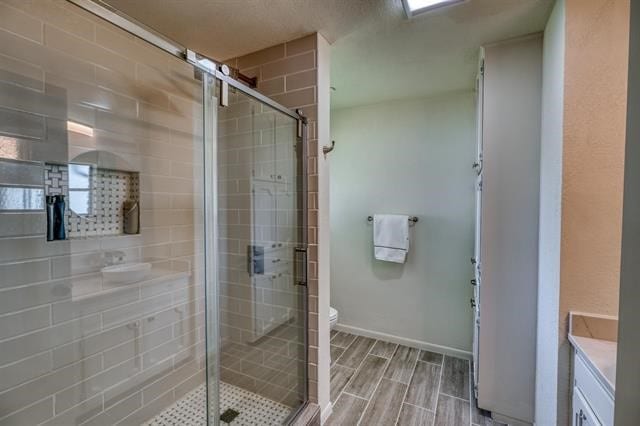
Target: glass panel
x=260, y=225
x=105, y=324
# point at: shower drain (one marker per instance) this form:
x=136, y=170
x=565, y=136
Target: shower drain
x=229, y=415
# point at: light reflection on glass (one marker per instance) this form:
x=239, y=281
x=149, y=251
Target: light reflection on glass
x=80, y=188
x=9, y=148
x=14, y=198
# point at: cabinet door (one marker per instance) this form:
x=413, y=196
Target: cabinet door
x=582, y=413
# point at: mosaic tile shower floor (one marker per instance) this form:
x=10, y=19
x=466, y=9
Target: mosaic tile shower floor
x=254, y=409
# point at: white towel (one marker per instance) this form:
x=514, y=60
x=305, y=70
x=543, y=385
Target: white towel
x=391, y=237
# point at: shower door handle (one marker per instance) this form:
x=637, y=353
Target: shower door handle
x=300, y=266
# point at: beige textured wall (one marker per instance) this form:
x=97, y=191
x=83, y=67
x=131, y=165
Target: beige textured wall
x=597, y=33
x=288, y=73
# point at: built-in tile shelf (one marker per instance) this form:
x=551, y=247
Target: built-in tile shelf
x=95, y=197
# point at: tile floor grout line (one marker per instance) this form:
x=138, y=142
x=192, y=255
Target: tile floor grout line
x=406, y=391
x=455, y=397
x=417, y=406
x=432, y=363
x=438, y=394
x=386, y=364
x=354, y=395
x=345, y=349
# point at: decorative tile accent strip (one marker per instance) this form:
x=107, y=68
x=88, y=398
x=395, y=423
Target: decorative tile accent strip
x=108, y=190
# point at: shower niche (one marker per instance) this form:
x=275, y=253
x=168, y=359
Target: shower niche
x=101, y=194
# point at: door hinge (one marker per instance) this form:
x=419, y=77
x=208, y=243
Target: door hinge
x=482, y=67
x=477, y=166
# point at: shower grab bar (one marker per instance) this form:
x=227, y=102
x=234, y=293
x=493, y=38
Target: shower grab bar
x=413, y=219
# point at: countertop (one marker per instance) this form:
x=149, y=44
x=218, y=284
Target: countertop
x=600, y=355
x=594, y=338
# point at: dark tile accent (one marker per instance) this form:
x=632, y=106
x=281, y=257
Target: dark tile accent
x=340, y=375
x=347, y=410
x=410, y=415
x=385, y=403
x=383, y=349
x=431, y=357
x=401, y=365
x=356, y=352
x=452, y=411
x=455, y=377
x=423, y=390
x=342, y=339
x=367, y=377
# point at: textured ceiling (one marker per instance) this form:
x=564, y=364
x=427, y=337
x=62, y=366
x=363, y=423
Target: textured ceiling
x=430, y=54
x=377, y=54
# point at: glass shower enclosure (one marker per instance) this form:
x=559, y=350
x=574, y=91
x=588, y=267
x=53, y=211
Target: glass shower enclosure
x=259, y=219
x=152, y=230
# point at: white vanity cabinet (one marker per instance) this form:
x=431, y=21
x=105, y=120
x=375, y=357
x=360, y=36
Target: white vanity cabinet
x=592, y=402
x=582, y=413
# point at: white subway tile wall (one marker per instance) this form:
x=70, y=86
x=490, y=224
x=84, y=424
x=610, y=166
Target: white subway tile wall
x=74, y=348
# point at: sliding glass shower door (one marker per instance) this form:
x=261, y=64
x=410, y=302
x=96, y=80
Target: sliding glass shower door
x=257, y=352
x=141, y=255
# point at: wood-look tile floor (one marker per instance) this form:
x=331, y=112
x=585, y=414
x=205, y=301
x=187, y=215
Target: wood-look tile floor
x=380, y=383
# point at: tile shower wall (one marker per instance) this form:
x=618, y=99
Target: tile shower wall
x=288, y=73
x=76, y=348
x=109, y=190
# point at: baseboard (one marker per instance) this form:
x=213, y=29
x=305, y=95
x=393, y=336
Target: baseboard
x=326, y=412
x=509, y=421
x=404, y=341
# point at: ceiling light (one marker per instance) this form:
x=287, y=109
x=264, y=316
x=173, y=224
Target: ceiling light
x=416, y=7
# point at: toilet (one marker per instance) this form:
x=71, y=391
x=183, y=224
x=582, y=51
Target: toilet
x=333, y=318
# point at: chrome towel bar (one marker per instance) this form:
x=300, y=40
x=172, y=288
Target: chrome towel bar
x=413, y=219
